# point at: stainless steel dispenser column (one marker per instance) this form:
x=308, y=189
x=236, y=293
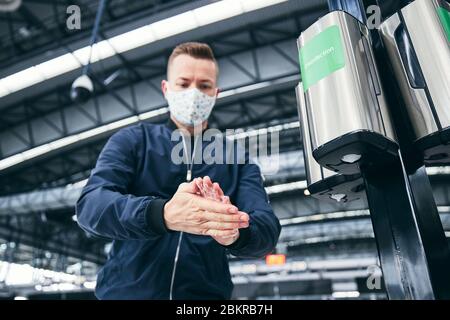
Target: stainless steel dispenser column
x=343, y=95
x=417, y=40
x=324, y=184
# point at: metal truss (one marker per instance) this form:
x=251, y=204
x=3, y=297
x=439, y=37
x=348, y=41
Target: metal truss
x=56, y=232
x=249, y=55
x=67, y=167
x=65, y=197
x=40, y=25
x=54, y=171
x=53, y=233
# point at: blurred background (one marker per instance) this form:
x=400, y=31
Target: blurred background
x=50, y=137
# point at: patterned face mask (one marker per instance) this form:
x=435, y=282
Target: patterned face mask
x=191, y=106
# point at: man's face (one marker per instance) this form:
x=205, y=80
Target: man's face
x=186, y=72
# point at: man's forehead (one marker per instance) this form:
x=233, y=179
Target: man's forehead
x=187, y=66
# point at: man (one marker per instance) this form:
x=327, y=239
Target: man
x=169, y=242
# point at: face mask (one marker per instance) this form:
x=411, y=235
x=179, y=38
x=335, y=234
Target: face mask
x=191, y=106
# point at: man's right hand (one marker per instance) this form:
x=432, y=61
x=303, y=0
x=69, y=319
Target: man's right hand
x=190, y=213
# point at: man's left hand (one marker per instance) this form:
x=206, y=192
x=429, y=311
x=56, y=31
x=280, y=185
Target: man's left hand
x=214, y=192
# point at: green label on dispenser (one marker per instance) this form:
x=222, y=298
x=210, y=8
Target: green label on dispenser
x=444, y=14
x=321, y=56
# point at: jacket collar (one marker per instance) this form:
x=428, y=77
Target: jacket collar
x=172, y=125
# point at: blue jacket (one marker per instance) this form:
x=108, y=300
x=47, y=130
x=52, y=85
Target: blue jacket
x=123, y=201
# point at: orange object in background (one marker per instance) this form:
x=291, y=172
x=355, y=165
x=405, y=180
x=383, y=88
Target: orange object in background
x=275, y=259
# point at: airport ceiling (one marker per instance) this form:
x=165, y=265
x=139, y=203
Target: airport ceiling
x=256, y=52
x=38, y=26
x=258, y=60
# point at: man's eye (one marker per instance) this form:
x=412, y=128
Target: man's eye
x=183, y=85
x=206, y=86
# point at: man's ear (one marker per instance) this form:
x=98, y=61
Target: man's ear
x=164, y=85
x=217, y=92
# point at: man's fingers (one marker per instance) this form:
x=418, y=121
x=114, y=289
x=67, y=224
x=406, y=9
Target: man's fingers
x=212, y=190
x=215, y=206
x=218, y=189
x=207, y=181
x=243, y=225
x=199, y=183
x=225, y=199
x=222, y=217
x=231, y=236
x=221, y=225
x=244, y=216
x=221, y=233
x=190, y=187
x=209, y=189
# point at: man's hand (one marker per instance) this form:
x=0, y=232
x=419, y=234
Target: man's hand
x=189, y=212
x=214, y=192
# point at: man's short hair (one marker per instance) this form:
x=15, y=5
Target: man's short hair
x=196, y=50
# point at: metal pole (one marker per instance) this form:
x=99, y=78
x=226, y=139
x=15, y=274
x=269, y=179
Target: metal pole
x=413, y=250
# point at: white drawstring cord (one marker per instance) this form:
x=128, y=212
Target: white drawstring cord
x=175, y=266
x=188, y=179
